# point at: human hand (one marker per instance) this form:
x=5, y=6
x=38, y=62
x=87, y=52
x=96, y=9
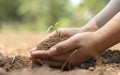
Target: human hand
x=86, y=45
x=64, y=33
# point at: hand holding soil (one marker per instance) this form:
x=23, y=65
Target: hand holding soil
x=59, y=53
x=52, y=40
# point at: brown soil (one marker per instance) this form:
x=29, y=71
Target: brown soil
x=20, y=65
x=47, y=44
x=15, y=63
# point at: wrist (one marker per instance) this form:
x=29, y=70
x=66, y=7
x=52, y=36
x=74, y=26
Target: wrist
x=99, y=43
x=104, y=41
x=90, y=26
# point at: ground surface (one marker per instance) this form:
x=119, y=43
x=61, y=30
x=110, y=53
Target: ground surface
x=14, y=60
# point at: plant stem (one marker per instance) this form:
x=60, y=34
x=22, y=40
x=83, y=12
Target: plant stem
x=57, y=33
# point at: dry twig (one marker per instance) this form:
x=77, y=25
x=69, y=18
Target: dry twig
x=63, y=66
x=40, y=61
x=13, y=59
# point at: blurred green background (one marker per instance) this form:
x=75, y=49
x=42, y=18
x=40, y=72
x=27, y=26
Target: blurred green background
x=38, y=15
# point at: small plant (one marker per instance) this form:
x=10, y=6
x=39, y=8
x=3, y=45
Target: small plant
x=52, y=27
x=55, y=27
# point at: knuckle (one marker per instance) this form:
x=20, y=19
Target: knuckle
x=75, y=43
x=60, y=49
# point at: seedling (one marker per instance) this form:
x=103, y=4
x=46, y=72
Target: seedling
x=55, y=27
x=52, y=27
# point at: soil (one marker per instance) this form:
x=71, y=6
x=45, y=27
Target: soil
x=21, y=65
x=47, y=44
x=14, y=63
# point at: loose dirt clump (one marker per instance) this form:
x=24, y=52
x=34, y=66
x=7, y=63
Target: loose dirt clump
x=47, y=44
x=15, y=63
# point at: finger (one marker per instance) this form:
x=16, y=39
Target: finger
x=40, y=54
x=46, y=55
x=61, y=57
x=65, y=46
x=51, y=63
x=33, y=49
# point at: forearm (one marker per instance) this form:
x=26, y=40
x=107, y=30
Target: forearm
x=109, y=34
x=111, y=9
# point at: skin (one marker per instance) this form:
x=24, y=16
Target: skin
x=89, y=43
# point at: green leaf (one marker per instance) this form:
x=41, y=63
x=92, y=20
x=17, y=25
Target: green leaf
x=55, y=27
x=58, y=24
x=50, y=28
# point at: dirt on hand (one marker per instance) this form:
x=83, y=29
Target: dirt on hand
x=47, y=44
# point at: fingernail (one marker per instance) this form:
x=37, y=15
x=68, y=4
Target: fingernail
x=33, y=49
x=53, y=50
x=29, y=55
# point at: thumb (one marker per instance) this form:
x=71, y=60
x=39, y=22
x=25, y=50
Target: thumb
x=64, y=47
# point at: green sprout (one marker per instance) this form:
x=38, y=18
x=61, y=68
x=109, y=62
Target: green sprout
x=55, y=27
